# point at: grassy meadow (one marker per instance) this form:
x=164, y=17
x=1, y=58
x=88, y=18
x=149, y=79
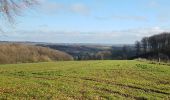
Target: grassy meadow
x=95, y=80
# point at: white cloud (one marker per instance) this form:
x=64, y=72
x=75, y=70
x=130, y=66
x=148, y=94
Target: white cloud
x=53, y=7
x=142, y=32
x=125, y=17
x=80, y=8
x=50, y=7
x=153, y=3
x=56, y=36
x=135, y=18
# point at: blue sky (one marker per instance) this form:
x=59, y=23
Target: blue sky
x=90, y=21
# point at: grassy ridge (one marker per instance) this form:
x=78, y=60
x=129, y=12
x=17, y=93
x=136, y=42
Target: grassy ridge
x=85, y=80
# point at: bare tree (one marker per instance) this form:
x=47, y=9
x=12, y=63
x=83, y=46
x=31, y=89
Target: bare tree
x=138, y=48
x=144, y=43
x=156, y=46
x=125, y=51
x=11, y=8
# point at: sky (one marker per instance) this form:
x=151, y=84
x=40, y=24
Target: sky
x=89, y=21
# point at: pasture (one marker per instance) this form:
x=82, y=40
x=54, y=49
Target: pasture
x=94, y=80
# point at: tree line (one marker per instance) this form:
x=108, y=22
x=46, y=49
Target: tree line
x=154, y=47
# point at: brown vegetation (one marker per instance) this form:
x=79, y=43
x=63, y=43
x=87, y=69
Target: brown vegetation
x=19, y=53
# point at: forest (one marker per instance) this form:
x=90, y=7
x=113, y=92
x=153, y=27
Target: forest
x=154, y=47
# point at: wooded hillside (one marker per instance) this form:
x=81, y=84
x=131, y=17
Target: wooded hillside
x=154, y=47
x=19, y=53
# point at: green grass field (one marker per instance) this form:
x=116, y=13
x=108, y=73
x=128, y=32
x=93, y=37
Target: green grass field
x=85, y=80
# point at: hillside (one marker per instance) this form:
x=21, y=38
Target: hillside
x=85, y=80
x=20, y=53
x=81, y=51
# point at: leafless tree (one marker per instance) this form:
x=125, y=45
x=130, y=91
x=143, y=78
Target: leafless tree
x=144, y=43
x=10, y=8
x=156, y=46
x=138, y=48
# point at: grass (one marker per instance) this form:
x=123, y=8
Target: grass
x=85, y=80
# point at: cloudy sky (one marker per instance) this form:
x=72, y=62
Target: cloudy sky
x=89, y=21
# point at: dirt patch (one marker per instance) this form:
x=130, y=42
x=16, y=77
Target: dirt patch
x=123, y=85
x=113, y=92
x=119, y=93
x=103, y=90
x=6, y=90
x=46, y=78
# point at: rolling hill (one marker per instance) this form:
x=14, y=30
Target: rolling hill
x=20, y=53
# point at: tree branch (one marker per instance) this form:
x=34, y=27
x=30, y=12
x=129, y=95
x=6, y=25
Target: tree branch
x=10, y=8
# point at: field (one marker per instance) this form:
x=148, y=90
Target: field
x=85, y=80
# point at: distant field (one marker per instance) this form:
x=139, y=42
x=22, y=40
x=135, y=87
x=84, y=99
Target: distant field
x=85, y=80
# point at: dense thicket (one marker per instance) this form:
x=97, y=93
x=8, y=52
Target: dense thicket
x=17, y=53
x=156, y=46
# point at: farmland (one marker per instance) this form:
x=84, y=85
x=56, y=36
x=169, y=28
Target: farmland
x=119, y=79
